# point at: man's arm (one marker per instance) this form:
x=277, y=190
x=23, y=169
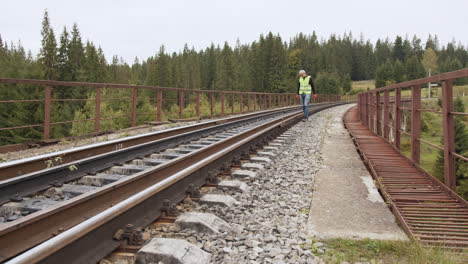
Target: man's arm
x=312, y=84
x=298, y=86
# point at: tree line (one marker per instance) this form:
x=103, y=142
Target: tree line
x=268, y=64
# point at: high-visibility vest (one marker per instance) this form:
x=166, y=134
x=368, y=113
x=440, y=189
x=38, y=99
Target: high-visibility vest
x=305, y=87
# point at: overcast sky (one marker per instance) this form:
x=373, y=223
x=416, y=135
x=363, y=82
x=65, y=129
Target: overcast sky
x=138, y=28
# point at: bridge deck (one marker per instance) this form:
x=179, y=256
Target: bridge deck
x=425, y=208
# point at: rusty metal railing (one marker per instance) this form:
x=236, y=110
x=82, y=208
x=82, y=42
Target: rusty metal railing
x=164, y=101
x=381, y=111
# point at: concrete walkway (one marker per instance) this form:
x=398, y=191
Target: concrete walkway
x=346, y=203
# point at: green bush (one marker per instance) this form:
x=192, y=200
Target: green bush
x=328, y=83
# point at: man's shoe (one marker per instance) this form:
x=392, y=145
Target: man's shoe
x=303, y=120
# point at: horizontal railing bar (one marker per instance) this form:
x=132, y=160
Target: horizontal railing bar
x=458, y=113
x=404, y=132
x=430, y=110
x=21, y=101
x=405, y=108
x=436, y=78
x=430, y=144
x=459, y=156
x=113, y=85
x=72, y=121
x=19, y=127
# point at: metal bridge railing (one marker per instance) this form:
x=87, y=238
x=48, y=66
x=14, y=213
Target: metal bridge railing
x=381, y=111
x=166, y=103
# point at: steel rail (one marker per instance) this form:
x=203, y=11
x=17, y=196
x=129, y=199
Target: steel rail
x=16, y=168
x=33, y=229
x=40, y=180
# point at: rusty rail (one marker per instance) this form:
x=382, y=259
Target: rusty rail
x=164, y=97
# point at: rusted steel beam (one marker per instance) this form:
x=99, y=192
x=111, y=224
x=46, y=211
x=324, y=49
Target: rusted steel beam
x=367, y=109
x=378, y=118
x=397, y=125
x=134, y=105
x=181, y=104
x=240, y=103
x=197, y=103
x=211, y=104
x=47, y=106
x=436, y=78
x=255, y=101
x=386, y=113
x=222, y=103
x=449, y=134
x=232, y=103
x=102, y=85
x=415, y=123
x=159, y=98
x=97, y=110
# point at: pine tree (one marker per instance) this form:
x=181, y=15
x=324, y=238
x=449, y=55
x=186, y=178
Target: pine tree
x=414, y=68
x=48, y=52
x=384, y=75
x=225, y=70
x=63, y=60
x=416, y=48
x=399, y=52
x=76, y=53
x=432, y=43
x=399, y=74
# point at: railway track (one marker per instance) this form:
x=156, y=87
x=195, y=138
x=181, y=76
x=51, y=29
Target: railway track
x=17, y=168
x=84, y=203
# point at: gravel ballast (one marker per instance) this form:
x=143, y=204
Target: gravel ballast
x=268, y=222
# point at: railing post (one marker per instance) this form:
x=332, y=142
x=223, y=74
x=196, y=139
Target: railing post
x=97, y=110
x=378, y=117
x=415, y=123
x=248, y=103
x=134, y=105
x=181, y=103
x=211, y=103
x=232, y=103
x=386, y=117
x=240, y=103
x=197, y=103
x=222, y=103
x=255, y=102
x=374, y=115
x=397, y=125
x=159, y=98
x=47, y=105
x=359, y=107
x=449, y=134
x=367, y=109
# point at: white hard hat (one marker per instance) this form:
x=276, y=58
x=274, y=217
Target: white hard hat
x=301, y=72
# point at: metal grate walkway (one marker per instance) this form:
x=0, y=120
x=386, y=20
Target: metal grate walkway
x=425, y=208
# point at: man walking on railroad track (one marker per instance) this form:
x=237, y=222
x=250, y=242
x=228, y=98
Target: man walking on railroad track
x=304, y=90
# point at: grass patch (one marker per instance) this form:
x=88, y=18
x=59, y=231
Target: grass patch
x=361, y=86
x=385, y=251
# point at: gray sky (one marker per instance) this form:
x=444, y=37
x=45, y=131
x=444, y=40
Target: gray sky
x=139, y=27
